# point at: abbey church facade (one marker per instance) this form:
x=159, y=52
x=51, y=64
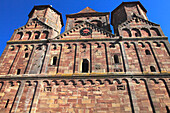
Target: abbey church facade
x=87, y=68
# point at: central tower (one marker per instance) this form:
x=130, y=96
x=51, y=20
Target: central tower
x=99, y=19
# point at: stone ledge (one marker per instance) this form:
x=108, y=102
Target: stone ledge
x=83, y=76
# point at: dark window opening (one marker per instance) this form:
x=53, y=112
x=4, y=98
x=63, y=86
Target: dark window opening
x=137, y=34
x=116, y=59
x=18, y=71
x=152, y=68
x=35, y=25
x=167, y=109
x=85, y=66
x=36, y=36
x=47, y=89
x=116, y=70
x=26, y=55
x=7, y=103
x=54, y=61
x=147, y=52
x=120, y=87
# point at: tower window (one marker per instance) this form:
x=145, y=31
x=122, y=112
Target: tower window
x=147, y=52
x=116, y=59
x=37, y=35
x=18, y=71
x=54, y=62
x=85, y=66
x=26, y=55
x=152, y=68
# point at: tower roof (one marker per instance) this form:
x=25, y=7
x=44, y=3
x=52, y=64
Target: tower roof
x=88, y=10
x=46, y=6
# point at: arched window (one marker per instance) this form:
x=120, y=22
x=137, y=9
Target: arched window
x=27, y=36
x=155, y=32
x=85, y=66
x=116, y=59
x=18, y=36
x=44, y=35
x=98, y=23
x=18, y=71
x=152, y=68
x=145, y=32
x=136, y=33
x=26, y=55
x=54, y=62
x=147, y=52
x=37, y=35
x=126, y=33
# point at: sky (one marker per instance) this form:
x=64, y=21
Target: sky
x=14, y=13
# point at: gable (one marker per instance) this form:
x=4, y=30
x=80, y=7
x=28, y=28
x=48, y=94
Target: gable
x=87, y=10
x=75, y=32
x=35, y=24
x=137, y=21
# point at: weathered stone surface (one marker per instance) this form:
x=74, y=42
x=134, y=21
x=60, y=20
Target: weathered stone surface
x=86, y=69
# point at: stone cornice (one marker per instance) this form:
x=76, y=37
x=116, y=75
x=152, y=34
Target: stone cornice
x=118, y=38
x=84, y=76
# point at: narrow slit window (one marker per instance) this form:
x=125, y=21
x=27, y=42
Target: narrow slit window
x=152, y=68
x=116, y=59
x=6, y=105
x=54, y=61
x=85, y=66
x=147, y=52
x=18, y=71
x=26, y=55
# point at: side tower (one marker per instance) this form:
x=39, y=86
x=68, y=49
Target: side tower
x=142, y=37
x=43, y=24
x=130, y=17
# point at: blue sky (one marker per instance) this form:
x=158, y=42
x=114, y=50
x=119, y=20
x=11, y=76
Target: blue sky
x=14, y=13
